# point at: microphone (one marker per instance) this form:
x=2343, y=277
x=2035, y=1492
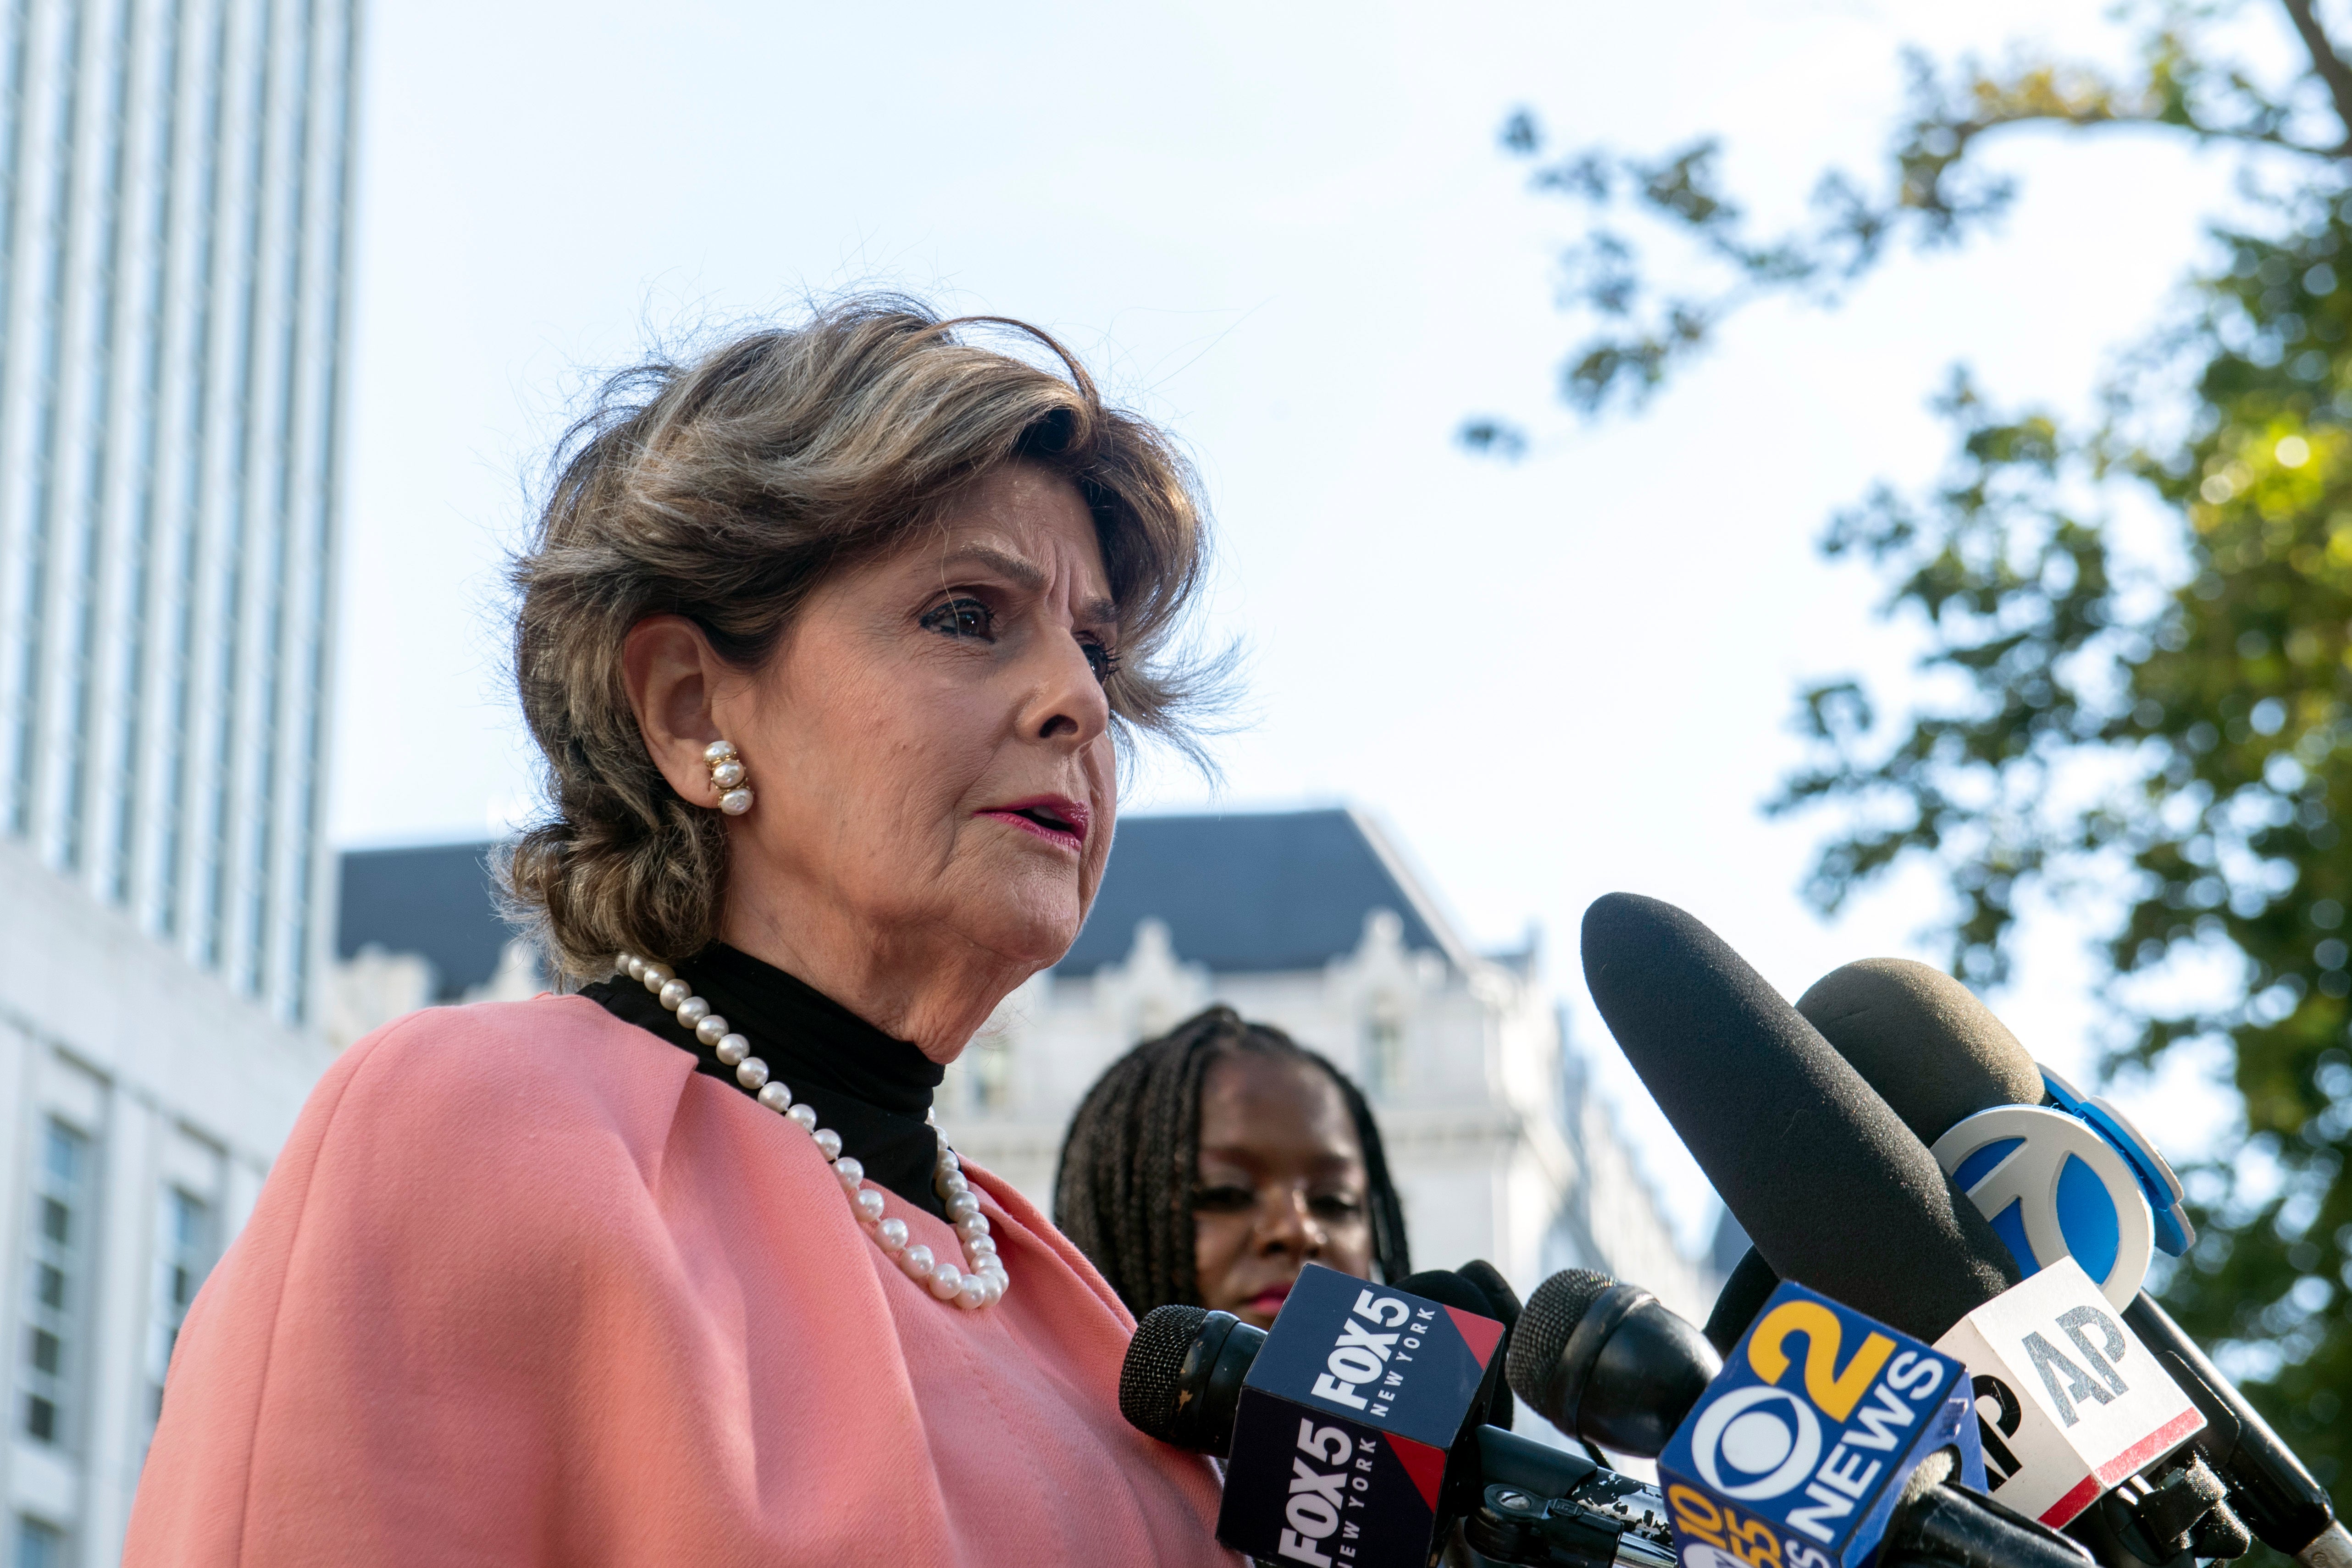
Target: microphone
x=1476, y=1287
x=1351, y=1437
x=1832, y=1187
x=1606, y=1361
x=1939, y=1057
x=1837, y=1191
x=1974, y=1075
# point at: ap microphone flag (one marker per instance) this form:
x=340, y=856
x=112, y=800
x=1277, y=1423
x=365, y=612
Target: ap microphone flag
x=2082, y=1403
x=1797, y=1453
x=1345, y=1421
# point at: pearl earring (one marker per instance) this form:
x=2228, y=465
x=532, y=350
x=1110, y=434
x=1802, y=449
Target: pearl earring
x=727, y=776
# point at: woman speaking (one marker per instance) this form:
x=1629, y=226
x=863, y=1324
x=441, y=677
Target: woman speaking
x=830, y=639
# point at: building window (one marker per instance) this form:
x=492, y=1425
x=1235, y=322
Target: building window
x=1384, y=1045
x=183, y=1255
x=38, y=1545
x=60, y=1221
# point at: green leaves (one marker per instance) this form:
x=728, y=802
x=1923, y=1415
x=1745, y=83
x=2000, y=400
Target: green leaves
x=2216, y=714
x=2014, y=589
x=2174, y=746
x=1939, y=193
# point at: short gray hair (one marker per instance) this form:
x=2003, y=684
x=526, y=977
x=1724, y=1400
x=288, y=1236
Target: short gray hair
x=725, y=488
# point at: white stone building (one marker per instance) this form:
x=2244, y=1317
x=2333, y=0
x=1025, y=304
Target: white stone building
x=146, y=1102
x=1305, y=920
x=1310, y=921
x=173, y=223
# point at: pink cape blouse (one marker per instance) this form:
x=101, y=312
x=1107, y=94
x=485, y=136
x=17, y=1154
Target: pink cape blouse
x=525, y=1288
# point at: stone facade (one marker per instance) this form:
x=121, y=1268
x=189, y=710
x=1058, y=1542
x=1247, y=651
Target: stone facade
x=1498, y=1148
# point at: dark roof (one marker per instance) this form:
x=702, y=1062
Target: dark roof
x=1252, y=892
x=437, y=900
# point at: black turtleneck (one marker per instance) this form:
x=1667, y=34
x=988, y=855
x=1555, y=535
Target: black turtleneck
x=871, y=1088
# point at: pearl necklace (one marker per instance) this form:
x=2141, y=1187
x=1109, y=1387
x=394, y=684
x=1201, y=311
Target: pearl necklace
x=980, y=1283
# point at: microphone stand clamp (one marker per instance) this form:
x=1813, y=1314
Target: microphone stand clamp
x=1512, y=1526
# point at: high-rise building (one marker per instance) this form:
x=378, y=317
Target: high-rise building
x=174, y=184
x=174, y=188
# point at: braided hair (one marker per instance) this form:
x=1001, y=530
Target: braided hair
x=1130, y=1159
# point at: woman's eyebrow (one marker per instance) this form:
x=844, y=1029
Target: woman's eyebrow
x=1024, y=575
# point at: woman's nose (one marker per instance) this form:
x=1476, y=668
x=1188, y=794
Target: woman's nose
x=1067, y=704
x=1286, y=1224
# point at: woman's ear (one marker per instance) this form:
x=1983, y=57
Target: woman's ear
x=671, y=672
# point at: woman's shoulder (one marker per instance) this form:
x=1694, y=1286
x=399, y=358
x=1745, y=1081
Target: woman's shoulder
x=496, y=1039
x=447, y=1079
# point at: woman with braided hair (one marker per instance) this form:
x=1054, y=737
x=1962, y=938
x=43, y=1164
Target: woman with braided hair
x=1211, y=1164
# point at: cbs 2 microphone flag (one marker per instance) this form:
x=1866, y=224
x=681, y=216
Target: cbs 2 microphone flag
x=1796, y=1454
x=1345, y=1423
x=2082, y=1403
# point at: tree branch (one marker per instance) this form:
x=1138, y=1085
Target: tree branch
x=2329, y=64
x=2261, y=138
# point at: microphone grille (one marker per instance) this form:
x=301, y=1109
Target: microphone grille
x=1551, y=1315
x=1146, y=1379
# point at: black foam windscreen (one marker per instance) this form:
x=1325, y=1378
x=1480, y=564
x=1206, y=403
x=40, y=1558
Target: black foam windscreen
x=1499, y=1294
x=1933, y=1052
x=1831, y=1187
x=1475, y=1287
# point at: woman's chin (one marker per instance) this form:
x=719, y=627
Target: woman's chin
x=1034, y=921
x=1032, y=943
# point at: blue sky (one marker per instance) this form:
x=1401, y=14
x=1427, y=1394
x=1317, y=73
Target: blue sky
x=1287, y=233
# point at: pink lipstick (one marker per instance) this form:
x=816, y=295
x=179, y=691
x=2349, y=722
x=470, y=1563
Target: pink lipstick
x=1270, y=1300
x=1056, y=818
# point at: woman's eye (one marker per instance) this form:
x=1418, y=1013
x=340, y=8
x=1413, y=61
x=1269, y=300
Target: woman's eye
x=1100, y=659
x=1336, y=1205
x=1227, y=1199
x=961, y=618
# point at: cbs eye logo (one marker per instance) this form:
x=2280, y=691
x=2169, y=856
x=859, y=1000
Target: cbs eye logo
x=1761, y=1442
x=1757, y=1443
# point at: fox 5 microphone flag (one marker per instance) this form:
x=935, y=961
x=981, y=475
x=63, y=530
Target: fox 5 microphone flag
x=1346, y=1423
x=1796, y=1454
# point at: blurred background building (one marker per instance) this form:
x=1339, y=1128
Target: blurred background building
x=173, y=229
x=1307, y=920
